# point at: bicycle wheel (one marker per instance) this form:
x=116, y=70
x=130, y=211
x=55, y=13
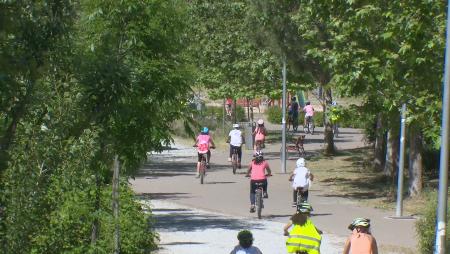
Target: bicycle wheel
x=259, y=202
x=234, y=162
x=311, y=127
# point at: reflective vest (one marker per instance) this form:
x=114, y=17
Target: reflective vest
x=304, y=238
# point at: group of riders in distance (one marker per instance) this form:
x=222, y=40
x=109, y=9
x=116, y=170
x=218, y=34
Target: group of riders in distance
x=303, y=235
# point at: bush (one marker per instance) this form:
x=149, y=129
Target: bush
x=274, y=115
x=425, y=226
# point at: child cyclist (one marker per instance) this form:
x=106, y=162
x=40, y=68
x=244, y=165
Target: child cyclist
x=257, y=172
x=302, y=180
x=361, y=240
x=245, y=246
x=303, y=236
x=260, y=135
x=203, y=142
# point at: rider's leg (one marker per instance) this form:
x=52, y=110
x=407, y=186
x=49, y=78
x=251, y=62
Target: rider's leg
x=208, y=156
x=231, y=152
x=305, y=195
x=265, y=184
x=198, y=164
x=294, y=196
x=252, y=196
x=239, y=151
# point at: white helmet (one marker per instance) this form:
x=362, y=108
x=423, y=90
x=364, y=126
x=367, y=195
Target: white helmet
x=235, y=125
x=300, y=162
x=260, y=121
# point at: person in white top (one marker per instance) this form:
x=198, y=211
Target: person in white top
x=236, y=139
x=245, y=238
x=302, y=178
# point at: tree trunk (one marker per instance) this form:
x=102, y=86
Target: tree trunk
x=248, y=108
x=391, y=163
x=329, y=148
x=380, y=141
x=96, y=223
x=415, y=163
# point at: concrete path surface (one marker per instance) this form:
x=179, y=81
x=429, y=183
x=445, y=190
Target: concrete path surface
x=195, y=218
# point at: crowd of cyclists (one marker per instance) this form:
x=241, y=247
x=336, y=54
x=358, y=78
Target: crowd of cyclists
x=302, y=235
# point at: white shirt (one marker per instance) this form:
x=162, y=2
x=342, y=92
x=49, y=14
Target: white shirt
x=301, y=178
x=251, y=250
x=235, y=137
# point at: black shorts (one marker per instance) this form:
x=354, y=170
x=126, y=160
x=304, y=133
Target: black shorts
x=253, y=185
x=201, y=154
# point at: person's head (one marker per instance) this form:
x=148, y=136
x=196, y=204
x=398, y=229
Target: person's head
x=308, y=103
x=301, y=163
x=360, y=224
x=259, y=156
x=236, y=126
x=245, y=238
x=293, y=98
x=260, y=122
x=205, y=131
x=302, y=214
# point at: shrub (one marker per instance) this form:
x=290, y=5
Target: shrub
x=425, y=226
x=274, y=115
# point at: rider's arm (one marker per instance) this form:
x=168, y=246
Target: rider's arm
x=212, y=142
x=374, y=246
x=291, y=176
x=269, y=172
x=249, y=169
x=311, y=176
x=347, y=246
x=228, y=139
x=318, y=230
x=286, y=227
x=243, y=139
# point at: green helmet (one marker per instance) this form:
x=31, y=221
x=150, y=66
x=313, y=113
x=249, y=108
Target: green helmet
x=359, y=222
x=245, y=238
x=304, y=208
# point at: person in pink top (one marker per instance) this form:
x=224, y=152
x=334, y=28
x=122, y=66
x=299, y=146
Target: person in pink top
x=257, y=173
x=203, y=143
x=228, y=106
x=309, y=112
x=260, y=135
x=361, y=240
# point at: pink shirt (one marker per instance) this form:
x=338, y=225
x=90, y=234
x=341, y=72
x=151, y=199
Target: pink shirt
x=259, y=135
x=203, y=143
x=258, y=170
x=309, y=110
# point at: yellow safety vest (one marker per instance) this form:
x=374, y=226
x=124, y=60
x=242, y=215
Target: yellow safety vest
x=304, y=238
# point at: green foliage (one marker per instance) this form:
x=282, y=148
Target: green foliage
x=87, y=78
x=274, y=115
x=426, y=226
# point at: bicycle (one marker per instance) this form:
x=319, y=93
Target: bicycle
x=202, y=169
x=234, y=159
x=309, y=126
x=301, y=198
x=259, y=203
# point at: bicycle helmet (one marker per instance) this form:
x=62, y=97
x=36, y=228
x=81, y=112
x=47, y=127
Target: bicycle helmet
x=307, y=103
x=359, y=222
x=293, y=98
x=205, y=130
x=304, y=208
x=259, y=156
x=245, y=238
x=301, y=162
x=235, y=125
x=260, y=122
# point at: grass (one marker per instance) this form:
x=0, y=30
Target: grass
x=350, y=175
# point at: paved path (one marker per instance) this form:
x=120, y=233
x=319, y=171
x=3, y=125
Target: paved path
x=168, y=180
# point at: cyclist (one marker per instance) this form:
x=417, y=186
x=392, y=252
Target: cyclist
x=361, y=240
x=257, y=172
x=303, y=236
x=203, y=142
x=309, y=112
x=236, y=139
x=260, y=134
x=245, y=238
x=302, y=179
x=228, y=104
x=294, y=109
